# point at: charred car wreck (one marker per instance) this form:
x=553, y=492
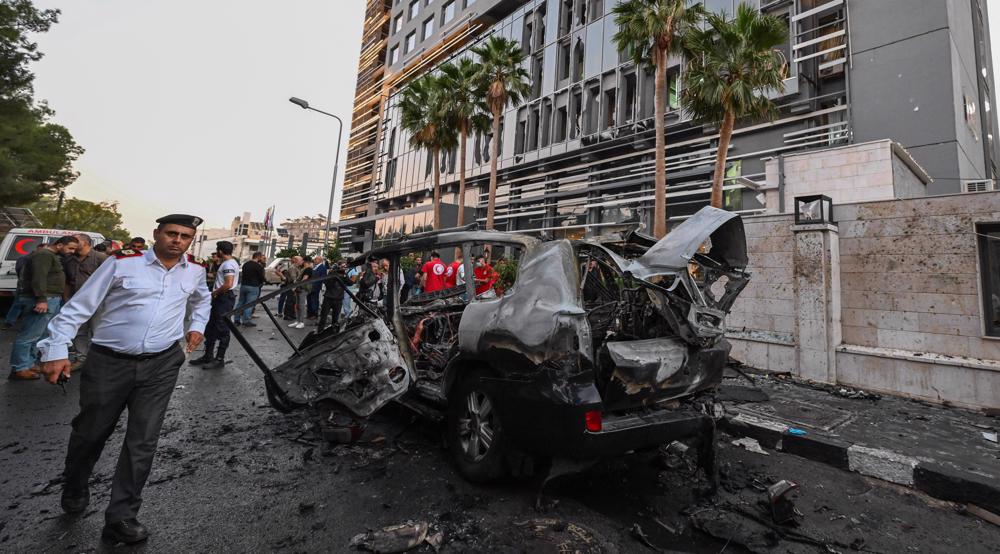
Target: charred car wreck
x=597, y=348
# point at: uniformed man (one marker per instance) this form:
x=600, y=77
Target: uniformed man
x=227, y=279
x=138, y=301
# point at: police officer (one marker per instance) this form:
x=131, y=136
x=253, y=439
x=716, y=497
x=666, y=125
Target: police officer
x=227, y=282
x=140, y=300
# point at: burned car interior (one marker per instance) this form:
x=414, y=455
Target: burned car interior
x=610, y=341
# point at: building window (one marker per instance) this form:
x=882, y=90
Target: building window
x=428, y=29
x=397, y=23
x=394, y=55
x=989, y=274
x=414, y=9
x=448, y=11
x=411, y=42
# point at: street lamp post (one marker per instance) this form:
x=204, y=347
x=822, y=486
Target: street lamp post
x=336, y=163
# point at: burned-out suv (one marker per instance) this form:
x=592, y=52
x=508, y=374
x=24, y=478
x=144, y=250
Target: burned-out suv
x=599, y=346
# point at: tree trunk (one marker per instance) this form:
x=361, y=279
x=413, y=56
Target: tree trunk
x=660, y=182
x=437, y=189
x=725, y=134
x=461, y=177
x=491, y=198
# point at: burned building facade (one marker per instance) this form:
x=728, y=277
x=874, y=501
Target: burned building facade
x=576, y=156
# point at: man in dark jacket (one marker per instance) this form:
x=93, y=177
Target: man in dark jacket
x=251, y=282
x=312, y=299
x=333, y=296
x=44, y=281
x=78, y=269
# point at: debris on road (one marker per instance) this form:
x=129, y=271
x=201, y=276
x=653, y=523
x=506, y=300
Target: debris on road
x=856, y=394
x=396, y=538
x=992, y=437
x=636, y=531
x=750, y=444
x=983, y=514
x=782, y=504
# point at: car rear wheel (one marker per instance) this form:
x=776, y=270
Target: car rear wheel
x=475, y=436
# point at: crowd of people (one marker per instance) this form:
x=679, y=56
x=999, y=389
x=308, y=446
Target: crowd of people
x=46, y=279
x=434, y=275
x=122, y=312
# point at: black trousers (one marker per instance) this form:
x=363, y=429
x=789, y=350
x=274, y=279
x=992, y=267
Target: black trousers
x=217, y=331
x=330, y=303
x=108, y=385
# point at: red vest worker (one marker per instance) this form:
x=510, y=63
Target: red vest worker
x=486, y=276
x=451, y=276
x=434, y=274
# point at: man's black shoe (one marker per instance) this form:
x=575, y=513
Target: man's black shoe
x=249, y=324
x=217, y=363
x=202, y=360
x=128, y=531
x=75, y=501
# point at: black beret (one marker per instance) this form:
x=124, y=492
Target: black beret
x=191, y=221
x=225, y=247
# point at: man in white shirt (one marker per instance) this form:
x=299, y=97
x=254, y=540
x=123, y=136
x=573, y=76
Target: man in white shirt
x=227, y=282
x=138, y=301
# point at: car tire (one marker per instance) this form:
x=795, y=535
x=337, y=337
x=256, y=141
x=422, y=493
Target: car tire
x=473, y=415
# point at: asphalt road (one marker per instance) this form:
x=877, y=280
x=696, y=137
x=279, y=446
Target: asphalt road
x=233, y=475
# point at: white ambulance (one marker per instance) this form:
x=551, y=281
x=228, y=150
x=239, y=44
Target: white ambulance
x=21, y=242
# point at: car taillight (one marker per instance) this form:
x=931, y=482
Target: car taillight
x=592, y=419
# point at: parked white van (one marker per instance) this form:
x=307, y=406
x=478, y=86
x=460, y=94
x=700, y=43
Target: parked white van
x=21, y=242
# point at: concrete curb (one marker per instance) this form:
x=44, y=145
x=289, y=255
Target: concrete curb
x=938, y=481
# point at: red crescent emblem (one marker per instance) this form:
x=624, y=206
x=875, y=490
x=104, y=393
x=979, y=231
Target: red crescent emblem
x=19, y=245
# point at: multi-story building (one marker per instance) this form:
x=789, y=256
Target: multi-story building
x=576, y=156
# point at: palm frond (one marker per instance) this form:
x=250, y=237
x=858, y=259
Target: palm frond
x=732, y=65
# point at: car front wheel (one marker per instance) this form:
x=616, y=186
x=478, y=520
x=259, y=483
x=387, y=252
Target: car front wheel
x=475, y=435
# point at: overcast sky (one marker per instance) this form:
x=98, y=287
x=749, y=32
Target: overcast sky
x=182, y=105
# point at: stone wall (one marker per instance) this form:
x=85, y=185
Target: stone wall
x=899, y=305
x=879, y=170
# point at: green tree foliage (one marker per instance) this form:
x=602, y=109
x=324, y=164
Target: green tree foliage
x=425, y=115
x=503, y=81
x=468, y=109
x=99, y=217
x=287, y=253
x=333, y=251
x=650, y=31
x=36, y=155
x=732, y=64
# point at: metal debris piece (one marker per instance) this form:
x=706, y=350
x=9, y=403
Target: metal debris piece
x=782, y=505
x=396, y=538
x=750, y=444
x=982, y=514
x=637, y=532
x=992, y=437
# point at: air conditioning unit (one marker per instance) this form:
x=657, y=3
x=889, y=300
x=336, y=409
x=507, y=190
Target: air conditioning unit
x=979, y=186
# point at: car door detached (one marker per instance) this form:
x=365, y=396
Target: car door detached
x=360, y=368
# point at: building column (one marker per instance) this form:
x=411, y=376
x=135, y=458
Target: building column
x=816, y=265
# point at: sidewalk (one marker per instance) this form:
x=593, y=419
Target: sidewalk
x=938, y=450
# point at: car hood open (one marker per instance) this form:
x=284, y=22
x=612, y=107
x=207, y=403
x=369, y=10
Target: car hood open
x=673, y=252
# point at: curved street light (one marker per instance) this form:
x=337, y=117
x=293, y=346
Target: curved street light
x=336, y=163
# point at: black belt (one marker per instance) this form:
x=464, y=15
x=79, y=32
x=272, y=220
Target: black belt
x=134, y=357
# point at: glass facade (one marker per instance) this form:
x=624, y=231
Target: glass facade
x=576, y=154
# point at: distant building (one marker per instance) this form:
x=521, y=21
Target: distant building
x=246, y=235
x=576, y=156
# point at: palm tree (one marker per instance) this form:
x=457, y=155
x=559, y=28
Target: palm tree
x=732, y=64
x=425, y=115
x=650, y=31
x=503, y=81
x=467, y=109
